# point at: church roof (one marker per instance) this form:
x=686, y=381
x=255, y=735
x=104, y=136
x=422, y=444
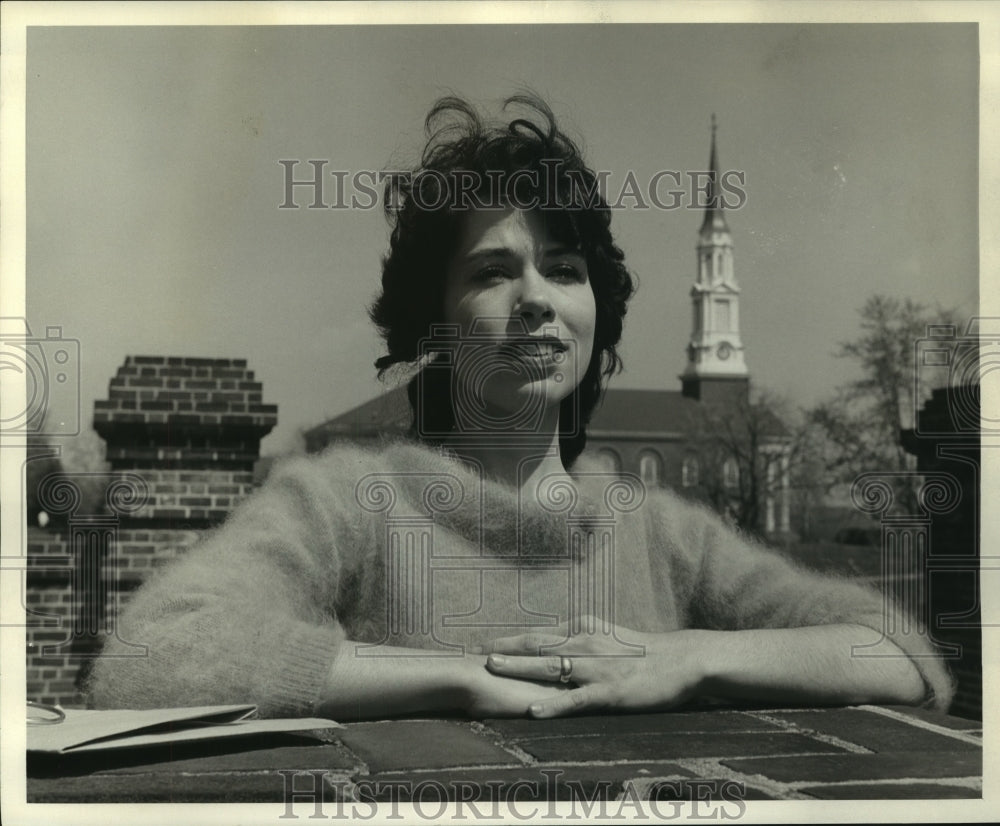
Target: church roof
x=650, y=414
x=388, y=413
x=642, y=413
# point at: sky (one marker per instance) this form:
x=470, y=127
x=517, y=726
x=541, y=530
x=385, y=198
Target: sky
x=154, y=184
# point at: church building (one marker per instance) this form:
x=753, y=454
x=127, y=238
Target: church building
x=702, y=440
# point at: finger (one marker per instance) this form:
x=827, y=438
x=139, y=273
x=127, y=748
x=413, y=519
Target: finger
x=587, y=698
x=525, y=644
x=547, y=669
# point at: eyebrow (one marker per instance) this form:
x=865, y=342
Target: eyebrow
x=506, y=252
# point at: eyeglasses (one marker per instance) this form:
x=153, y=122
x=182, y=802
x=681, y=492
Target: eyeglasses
x=42, y=714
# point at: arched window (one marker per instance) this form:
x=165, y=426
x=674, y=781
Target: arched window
x=650, y=468
x=689, y=471
x=610, y=460
x=730, y=473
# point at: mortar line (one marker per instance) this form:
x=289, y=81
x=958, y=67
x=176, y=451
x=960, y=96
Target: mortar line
x=829, y=739
x=924, y=724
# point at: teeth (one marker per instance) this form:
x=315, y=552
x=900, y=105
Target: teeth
x=540, y=350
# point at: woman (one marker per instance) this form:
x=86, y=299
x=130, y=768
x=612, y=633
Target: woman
x=449, y=572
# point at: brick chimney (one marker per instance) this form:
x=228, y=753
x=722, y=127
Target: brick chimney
x=191, y=427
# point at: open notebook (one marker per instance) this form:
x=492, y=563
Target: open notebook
x=86, y=730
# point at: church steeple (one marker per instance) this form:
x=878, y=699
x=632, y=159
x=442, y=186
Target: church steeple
x=715, y=352
x=715, y=218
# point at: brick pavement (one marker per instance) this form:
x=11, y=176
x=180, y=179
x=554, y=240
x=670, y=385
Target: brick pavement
x=862, y=753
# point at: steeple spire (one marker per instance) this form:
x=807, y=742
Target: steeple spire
x=715, y=219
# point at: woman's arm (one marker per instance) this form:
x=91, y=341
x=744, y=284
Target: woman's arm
x=813, y=666
x=247, y=615
x=734, y=585
x=818, y=664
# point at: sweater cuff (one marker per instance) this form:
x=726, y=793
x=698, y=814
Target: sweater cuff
x=300, y=670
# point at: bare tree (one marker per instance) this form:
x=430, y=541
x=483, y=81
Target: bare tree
x=809, y=481
x=861, y=423
x=79, y=459
x=746, y=451
x=41, y=460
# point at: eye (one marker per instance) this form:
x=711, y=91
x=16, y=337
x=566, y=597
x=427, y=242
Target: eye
x=568, y=273
x=489, y=274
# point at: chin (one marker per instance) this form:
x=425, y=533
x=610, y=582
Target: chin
x=529, y=398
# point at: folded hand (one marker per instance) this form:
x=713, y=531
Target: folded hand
x=608, y=667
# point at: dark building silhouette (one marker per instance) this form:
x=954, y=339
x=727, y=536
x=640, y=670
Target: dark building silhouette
x=947, y=443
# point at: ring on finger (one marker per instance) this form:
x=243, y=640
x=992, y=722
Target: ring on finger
x=565, y=669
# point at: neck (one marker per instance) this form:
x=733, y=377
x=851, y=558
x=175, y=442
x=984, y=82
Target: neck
x=515, y=459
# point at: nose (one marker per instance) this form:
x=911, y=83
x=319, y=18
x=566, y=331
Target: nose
x=534, y=304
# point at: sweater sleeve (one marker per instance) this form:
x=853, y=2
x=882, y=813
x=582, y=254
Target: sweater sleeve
x=247, y=615
x=730, y=582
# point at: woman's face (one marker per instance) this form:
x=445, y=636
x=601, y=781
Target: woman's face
x=525, y=310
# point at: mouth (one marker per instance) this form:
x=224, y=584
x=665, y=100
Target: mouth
x=541, y=348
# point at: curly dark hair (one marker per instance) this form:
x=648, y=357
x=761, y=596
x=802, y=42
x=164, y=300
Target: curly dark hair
x=462, y=166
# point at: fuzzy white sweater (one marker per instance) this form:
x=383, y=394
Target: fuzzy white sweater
x=256, y=611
